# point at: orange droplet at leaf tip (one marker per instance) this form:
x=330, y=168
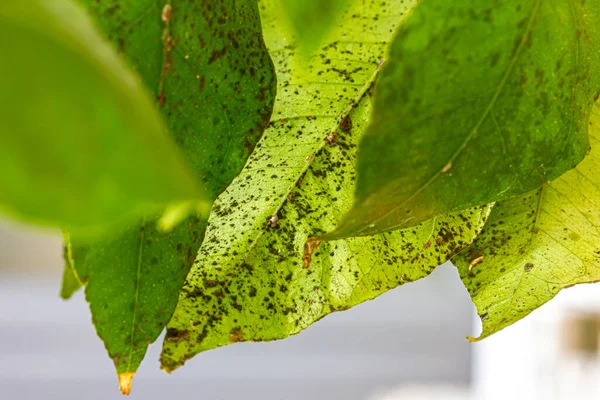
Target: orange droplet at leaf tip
x=125, y=382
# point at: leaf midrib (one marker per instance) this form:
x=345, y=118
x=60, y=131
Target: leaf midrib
x=137, y=292
x=161, y=80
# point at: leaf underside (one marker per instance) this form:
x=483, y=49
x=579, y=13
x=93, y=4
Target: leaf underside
x=248, y=282
x=536, y=244
x=480, y=101
x=213, y=79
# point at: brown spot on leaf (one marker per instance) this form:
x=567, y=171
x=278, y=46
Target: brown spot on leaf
x=236, y=334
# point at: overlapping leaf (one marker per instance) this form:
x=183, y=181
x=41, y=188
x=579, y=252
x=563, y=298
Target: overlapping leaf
x=81, y=144
x=536, y=244
x=250, y=281
x=312, y=20
x=213, y=79
x=481, y=100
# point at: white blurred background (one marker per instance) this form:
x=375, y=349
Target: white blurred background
x=407, y=344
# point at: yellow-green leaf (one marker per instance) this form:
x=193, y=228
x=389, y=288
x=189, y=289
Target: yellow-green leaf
x=536, y=244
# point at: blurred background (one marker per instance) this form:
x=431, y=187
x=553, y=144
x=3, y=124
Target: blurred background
x=407, y=344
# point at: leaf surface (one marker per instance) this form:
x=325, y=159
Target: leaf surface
x=250, y=281
x=214, y=81
x=82, y=145
x=536, y=244
x=312, y=20
x=480, y=101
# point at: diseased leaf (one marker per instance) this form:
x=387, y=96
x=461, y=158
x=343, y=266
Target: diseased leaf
x=250, y=281
x=81, y=144
x=215, y=83
x=536, y=244
x=312, y=20
x=480, y=101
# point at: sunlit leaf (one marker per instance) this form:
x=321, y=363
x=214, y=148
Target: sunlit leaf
x=250, y=281
x=536, y=244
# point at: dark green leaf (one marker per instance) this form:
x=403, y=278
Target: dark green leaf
x=81, y=144
x=250, y=281
x=536, y=244
x=215, y=83
x=481, y=100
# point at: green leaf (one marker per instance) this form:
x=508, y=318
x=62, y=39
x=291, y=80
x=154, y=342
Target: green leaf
x=250, y=281
x=81, y=144
x=312, y=20
x=536, y=244
x=215, y=82
x=132, y=285
x=480, y=101
x=70, y=280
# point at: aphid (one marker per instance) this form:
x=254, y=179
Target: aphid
x=310, y=247
x=308, y=158
x=346, y=124
x=331, y=138
x=166, y=13
x=474, y=262
x=273, y=221
x=169, y=43
x=447, y=167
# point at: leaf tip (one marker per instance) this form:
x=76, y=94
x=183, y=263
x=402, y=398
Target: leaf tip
x=125, y=382
x=474, y=339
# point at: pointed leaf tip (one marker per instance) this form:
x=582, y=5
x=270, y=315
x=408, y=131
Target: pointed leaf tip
x=125, y=382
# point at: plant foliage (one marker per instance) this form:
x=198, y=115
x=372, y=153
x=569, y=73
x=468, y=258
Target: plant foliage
x=347, y=148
